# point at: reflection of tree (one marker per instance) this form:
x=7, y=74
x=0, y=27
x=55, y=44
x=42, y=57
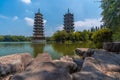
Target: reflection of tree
x=12, y=44
x=65, y=49
x=68, y=49
x=37, y=49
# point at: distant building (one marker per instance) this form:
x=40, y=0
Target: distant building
x=38, y=31
x=69, y=22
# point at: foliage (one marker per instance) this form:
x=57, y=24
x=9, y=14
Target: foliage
x=77, y=36
x=8, y=38
x=85, y=35
x=48, y=38
x=1, y=38
x=111, y=16
x=111, y=13
x=60, y=36
x=69, y=48
x=116, y=35
x=102, y=35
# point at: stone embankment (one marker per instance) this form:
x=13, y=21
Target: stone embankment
x=95, y=64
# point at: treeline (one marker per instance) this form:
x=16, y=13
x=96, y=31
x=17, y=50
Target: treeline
x=98, y=37
x=96, y=28
x=63, y=36
x=9, y=38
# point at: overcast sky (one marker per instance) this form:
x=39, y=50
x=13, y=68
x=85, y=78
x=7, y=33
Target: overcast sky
x=17, y=16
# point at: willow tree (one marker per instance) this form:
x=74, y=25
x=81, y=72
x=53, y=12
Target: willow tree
x=111, y=13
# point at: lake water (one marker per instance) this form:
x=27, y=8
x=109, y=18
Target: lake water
x=55, y=50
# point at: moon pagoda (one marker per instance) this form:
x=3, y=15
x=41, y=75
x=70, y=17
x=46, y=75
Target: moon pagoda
x=69, y=22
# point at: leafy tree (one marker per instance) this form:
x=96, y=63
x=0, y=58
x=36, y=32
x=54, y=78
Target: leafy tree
x=84, y=35
x=116, y=35
x=48, y=39
x=60, y=36
x=102, y=35
x=92, y=29
x=78, y=36
x=1, y=38
x=111, y=13
x=14, y=38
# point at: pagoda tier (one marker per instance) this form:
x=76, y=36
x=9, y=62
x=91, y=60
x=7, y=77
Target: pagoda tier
x=38, y=30
x=68, y=22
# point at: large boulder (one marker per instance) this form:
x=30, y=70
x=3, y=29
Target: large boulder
x=90, y=71
x=66, y=63
x=6, y=77
x=102, y=65
x=24, y=58
x=44, y=57
x=79, y=63
x=85, y=52
x=44, y=71
x=43, y=68
x=110, y=64
x=112, y=46
x=81, y=51
x=14, y=63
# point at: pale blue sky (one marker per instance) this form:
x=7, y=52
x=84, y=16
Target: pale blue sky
x=16, y=16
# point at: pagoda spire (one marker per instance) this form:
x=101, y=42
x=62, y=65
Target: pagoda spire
x=39, y=10
x=68, y=10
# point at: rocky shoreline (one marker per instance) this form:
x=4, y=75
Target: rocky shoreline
x=96, y=64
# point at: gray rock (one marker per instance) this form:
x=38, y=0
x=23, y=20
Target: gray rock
x=81, y=51
x=90, y=71
x=112, y=46
x=45, y=57
x=102, y=65
x=66, y=58
x=44, y=71
x=79, y=63
x=85, y=52
x=109, y=61
x=70, y=67
x=14, y=63
x=66, y=63
x=97, y=65
x=5, y=69
x=26, y=59
x=8, y=77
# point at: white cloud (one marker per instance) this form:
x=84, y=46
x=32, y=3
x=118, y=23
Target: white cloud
x=3, y=17
x=29, y=21
x=60, y=27
x=44, y=21
x=26, y=1
x=15, y=17
x=87, y=24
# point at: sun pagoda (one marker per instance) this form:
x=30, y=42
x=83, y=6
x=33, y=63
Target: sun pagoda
x=38, y=31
